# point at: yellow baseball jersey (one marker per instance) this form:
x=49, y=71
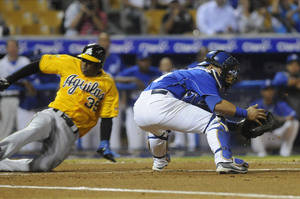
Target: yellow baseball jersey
x=84, y=99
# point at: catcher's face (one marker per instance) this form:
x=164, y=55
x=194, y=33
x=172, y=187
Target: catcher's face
x=231, y=76
x=90, y=69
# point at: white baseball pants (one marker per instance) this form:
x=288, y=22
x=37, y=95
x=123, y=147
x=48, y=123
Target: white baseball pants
x=282, y=138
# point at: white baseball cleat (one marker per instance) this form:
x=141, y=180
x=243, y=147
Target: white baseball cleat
x=160, y=163
x=234, y=167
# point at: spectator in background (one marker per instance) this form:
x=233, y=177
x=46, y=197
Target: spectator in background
x=177, y=20
x=283, y=136
x=287, y=12
x=4, y=30
x=289, y=82
x=216, y=16
x=85, y=17
x=253, y=16
x=166, y=65
x=141, y=75
x=9, y=99
x=132, y=19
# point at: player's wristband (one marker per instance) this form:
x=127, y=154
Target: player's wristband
x=240, y=112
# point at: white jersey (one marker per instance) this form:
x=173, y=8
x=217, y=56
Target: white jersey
x=7, y=68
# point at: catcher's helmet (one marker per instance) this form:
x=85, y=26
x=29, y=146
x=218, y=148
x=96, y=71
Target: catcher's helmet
x=93, y=53
x=228, y=64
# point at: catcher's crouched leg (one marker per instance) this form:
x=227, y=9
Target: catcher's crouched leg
x=158, y=146
x=218, y=138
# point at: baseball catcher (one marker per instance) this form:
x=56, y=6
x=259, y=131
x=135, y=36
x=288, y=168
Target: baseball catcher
x=170, y=102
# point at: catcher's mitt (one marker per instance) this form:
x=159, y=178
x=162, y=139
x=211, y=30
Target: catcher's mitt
x=251, y=129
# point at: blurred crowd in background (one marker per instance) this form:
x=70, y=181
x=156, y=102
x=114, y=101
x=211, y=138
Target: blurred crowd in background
x=127, y=17
x=132, y=73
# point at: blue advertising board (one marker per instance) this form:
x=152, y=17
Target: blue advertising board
x=162, y=45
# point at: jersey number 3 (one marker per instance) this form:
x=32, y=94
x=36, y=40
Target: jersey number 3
x=92, y=104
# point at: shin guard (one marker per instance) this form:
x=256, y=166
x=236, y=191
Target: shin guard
x=219, y=141
x=158, y=144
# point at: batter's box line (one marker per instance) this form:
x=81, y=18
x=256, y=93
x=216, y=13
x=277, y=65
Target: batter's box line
x=221, y=194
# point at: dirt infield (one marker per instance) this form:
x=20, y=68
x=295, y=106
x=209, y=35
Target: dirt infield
x=272, y=177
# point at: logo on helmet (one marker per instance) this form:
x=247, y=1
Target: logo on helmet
x=93, y=53
x=89, y=51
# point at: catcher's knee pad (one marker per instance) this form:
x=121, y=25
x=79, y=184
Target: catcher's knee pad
x=158, y=145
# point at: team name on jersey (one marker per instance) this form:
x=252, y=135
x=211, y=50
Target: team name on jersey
x=89, y=87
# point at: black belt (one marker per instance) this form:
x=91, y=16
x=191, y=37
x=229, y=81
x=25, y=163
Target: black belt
x=16, y=95
x=159, y=91
x=68, y=120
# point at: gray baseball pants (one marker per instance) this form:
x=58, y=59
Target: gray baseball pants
x=54, y=129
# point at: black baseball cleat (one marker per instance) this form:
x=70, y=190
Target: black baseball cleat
x=106, y=153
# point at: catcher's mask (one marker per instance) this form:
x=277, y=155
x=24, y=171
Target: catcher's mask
x=93, y=53
x=228, y=64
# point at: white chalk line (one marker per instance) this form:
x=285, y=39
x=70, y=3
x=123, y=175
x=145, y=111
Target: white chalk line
x=137, y=161
x=153, y=191
x=138, y=171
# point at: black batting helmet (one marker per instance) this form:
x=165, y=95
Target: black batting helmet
x=228, y=64
x=93, y=53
